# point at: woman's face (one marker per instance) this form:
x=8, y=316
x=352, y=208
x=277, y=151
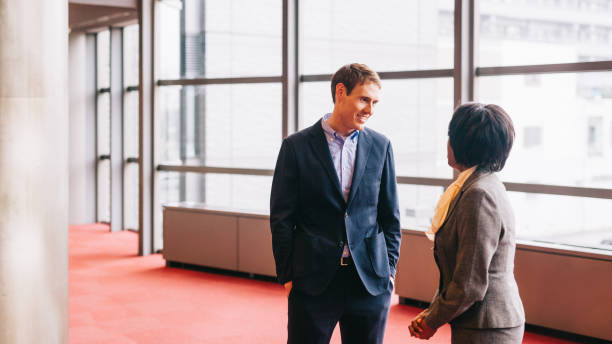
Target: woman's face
x=450, y=155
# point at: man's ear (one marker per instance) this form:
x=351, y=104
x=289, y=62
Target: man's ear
x=340, y=91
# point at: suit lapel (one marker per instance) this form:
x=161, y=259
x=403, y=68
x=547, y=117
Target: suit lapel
x=321, y=150
x=477, y=174
x=364, y=145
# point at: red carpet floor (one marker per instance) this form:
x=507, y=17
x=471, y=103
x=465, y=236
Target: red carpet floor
x=117, y=297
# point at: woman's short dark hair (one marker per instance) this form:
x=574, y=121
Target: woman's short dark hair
x=481, y=134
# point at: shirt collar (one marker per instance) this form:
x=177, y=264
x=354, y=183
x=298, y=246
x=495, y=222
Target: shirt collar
x=330, y=131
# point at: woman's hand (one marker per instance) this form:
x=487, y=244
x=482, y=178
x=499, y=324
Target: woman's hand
x=419, y=328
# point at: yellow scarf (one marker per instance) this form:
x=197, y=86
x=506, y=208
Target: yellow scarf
x=445, y=200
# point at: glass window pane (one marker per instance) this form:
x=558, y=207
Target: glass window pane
x=168, y=34
x=240, y=192
x=562, y=124
x=577, y=221
x=130, y=196
x=235, y=125
x=168, y=120
x=130, y=55
x=315, y=101
x=236, y=192
x=103, y=123
x=413, y=114
x=103, y=59
x=220, y=38
x=130, y=124
x=536, y=32
x=103, y=191
x=417, y=204
x=387, y=36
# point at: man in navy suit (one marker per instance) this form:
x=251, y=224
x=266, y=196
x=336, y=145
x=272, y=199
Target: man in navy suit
x=335, y=220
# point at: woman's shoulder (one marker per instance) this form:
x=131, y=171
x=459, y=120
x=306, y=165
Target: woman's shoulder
x=484, y=189
x=484, y=183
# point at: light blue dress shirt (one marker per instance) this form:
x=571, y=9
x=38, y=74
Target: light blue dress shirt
x=343, y=151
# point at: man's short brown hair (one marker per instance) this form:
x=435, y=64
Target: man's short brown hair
x=351, y=75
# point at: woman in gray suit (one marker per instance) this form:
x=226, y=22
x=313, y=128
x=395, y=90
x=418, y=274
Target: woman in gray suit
x=474, y=236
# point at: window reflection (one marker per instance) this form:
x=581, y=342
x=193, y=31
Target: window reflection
x=541, y=32
x=387, y=36
x=220, y=38
x=562, y=127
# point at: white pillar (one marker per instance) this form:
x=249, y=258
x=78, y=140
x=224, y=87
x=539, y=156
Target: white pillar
x=33, y=171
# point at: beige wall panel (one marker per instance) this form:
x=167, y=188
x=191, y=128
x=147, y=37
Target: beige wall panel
x=202, y=239
x=568, y=293
x=255, y=247
x=417, y=274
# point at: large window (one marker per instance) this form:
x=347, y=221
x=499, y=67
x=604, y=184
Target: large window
x=235, y=125
x=412, y=113
x=219, y=38
x=526, y=32
x=392, y=35
x=227, y=92
x=219, y=103
x=117, y=126
x=410, y=43
x=544, y=62
x=565, y=139
x=130, y=126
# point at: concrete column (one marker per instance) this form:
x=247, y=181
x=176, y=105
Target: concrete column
x=33, y=171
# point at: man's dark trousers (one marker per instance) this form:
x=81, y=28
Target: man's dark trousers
x=362, y=317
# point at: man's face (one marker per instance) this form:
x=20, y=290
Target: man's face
x=356, y=108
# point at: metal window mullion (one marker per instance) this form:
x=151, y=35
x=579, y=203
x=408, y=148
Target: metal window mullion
x=406, y=74
x=570, y=191
x=573, y=191
x=463, y=72
x=290, y=77
x=423, y=181
x=218, y=170
x=146, y=185
x=220, y=81
x=599, y=66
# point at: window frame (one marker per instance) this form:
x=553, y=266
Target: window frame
x=464, y=73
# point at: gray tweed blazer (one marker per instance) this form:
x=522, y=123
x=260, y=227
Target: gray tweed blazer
x=474, y=250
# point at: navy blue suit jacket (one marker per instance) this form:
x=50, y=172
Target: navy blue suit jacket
x=309, y=217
